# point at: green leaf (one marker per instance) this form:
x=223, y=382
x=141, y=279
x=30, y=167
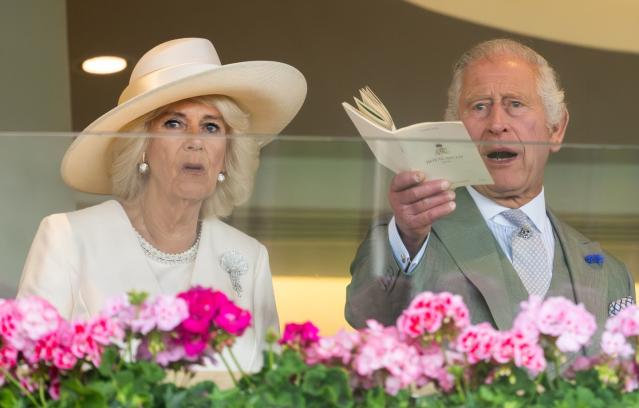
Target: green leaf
x=108, y=362
x=7, y=398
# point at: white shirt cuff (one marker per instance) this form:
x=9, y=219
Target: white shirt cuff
x=399, y=249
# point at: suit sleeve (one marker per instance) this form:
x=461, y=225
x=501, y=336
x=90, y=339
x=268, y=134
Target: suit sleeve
x=48, y=269
x=378, y=289
x=265, y=311
x=621, y=283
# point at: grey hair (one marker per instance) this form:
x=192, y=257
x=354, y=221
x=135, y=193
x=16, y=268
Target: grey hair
x=548, y=86
x=241, y=159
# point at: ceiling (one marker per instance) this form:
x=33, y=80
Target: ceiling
x=402, y=51
x=606, y=25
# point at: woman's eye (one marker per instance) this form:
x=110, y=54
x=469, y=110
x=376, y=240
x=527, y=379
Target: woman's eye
x=172, y=124
x=211, y=127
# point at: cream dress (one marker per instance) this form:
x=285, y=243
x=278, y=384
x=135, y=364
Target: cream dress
x=80, y=259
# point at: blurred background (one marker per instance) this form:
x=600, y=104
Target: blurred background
x=315, y=197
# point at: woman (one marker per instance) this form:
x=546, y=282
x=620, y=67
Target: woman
x=161, y=234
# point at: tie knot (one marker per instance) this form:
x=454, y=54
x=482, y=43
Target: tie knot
x=521, y=221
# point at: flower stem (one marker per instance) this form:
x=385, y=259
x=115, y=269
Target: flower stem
x=557, y=362
x=41, y=393
x=271, y=358
x=15, y=382
x=237, y=364
x=228, y=368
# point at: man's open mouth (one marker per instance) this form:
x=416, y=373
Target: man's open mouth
x=502, y=155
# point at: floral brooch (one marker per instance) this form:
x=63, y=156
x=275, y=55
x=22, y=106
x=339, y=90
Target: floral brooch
x=235, y=265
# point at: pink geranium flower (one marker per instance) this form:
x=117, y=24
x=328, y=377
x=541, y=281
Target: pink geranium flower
x=169, y=312
x=232, y=319
x=204, y=305
x=614, y=341
x=477, y=342
x=570, y=326
x=37, y=317
x=302, y=335
x=428, y=312
x=337, y=349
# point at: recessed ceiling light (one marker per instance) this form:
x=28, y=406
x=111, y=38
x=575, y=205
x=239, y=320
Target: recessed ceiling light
x=103, y=65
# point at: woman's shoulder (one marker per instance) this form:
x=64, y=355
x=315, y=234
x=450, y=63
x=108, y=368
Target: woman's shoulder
x=228, y=236
x=109, y=208
x=98, y=216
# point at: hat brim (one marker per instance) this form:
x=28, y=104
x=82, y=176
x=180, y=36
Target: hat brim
x=270, y=92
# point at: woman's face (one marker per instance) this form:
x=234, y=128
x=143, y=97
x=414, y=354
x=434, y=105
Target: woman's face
x=186, y=162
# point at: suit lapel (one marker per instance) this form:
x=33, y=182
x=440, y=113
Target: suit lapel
x=589, y=281
x=473, y=248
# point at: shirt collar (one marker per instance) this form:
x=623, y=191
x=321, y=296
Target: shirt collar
x=491, y=211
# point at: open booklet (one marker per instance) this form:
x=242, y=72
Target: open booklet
x=442, y=150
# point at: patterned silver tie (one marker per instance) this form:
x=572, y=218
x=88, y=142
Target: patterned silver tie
x=530, y=258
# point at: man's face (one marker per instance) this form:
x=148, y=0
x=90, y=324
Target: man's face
x=499, y=103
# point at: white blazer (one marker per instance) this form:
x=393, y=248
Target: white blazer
x=80, y=259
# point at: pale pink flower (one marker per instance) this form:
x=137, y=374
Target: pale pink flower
x=571, y=326
x=630, y=384
x=119, y=309
x=445, y=380
x=432, y=361
x=170, y=354
x=382, y=354
x=105, y=330
x=144, y=320
x=552, y=315
x=525, y=325
x=338, y=348
x=392, y=385
x=615, y=345
x=169, y=312
x=629, y=324
x=38, y=317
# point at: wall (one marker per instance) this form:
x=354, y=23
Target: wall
x=36, y=97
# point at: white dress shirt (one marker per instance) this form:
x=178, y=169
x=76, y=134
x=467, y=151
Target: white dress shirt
x=501, y=228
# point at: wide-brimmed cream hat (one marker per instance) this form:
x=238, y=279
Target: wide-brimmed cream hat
x=270, y=92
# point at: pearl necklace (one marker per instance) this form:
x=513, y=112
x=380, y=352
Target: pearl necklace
x=155, y=254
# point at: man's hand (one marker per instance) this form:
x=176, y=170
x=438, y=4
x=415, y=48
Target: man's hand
x=418, y=203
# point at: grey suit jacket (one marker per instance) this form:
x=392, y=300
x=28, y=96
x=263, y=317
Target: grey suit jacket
x=463, y=257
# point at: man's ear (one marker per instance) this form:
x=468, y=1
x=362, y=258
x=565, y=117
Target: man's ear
x=558, y=131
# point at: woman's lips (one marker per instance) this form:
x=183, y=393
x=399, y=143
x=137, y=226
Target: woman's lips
x=193, y=168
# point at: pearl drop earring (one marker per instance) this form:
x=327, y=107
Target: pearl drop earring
x=143, y=166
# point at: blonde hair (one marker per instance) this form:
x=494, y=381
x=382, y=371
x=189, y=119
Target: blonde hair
x=548, y=86
x=241, y=158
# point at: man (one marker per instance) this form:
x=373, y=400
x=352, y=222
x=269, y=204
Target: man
x=468, y=242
